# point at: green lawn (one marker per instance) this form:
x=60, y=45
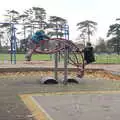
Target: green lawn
x=34, y=57
x=105, y=58
x=101, y=58
x=21, y=57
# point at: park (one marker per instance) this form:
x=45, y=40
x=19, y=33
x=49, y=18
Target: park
x=57, y=83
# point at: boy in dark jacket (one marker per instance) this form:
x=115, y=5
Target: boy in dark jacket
x=89, y=53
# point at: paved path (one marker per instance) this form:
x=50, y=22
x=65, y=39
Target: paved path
x=81, y=107
x=49, y=64
x=101, y=105
x=109, y=67
x=13, y=108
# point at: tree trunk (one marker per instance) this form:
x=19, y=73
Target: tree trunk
x=88, y=34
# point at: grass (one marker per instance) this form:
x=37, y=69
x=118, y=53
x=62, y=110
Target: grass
x=21, y=57
x=34, y=57
x=107, y=58
x=101, y=58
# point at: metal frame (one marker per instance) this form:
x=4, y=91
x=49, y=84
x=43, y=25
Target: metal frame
x=12, y=42
x=66, y=36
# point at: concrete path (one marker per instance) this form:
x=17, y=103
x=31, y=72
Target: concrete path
x=49, y=64
x=101, y=105
x=92, y=106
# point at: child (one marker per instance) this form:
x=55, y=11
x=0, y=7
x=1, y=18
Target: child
x=35, y=41
x=89, y=54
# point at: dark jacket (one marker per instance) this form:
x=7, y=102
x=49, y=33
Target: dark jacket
x=89, y=54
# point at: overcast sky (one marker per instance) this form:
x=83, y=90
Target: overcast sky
x=104, y=12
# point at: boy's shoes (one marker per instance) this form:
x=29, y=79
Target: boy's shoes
x=27, y=57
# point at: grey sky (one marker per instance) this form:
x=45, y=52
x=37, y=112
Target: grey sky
x=104, y=12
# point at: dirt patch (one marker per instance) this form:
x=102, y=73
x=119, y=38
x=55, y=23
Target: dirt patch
x=103, y=74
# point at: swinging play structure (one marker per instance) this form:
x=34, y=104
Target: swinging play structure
x=65, y=48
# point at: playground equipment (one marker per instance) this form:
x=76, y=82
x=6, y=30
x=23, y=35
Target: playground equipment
x=12, y=41
x=69, y=51
x=63, y=47
x=60, y=47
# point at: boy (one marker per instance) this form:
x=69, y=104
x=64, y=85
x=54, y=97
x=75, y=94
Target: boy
x=89, y=54
x=35, y=41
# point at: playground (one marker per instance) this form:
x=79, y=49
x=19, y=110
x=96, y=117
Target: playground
x=23, y=94
x=62, y=88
